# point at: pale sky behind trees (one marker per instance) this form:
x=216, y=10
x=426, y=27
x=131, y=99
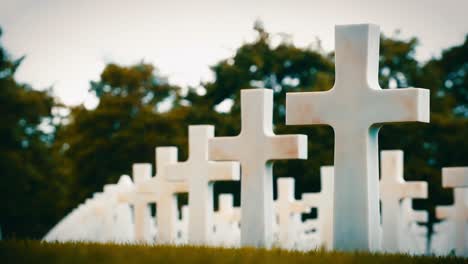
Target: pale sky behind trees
x=67, y=43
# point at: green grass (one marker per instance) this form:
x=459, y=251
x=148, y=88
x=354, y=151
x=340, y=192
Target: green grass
x=28, y=251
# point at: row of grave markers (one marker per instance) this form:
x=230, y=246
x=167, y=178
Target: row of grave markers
x=355, y=107
x=107, y=217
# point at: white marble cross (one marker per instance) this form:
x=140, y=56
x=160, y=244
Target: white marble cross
x=109, y=216
x=140, y=199
x=458, y=212
x=200, y=174
x=183, y=225
x=413, y=237
x=166, y=189
x=289, y=213
x=125, y=232
x=227, y=218
x=97, y=212
x=393, y=189
x=356, y=107
x=255, y=147
x=323, y=201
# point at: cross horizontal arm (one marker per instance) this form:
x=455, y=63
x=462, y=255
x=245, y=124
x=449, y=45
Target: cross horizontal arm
x=179, y=187
x=299, y=207
x=124, y=197
x=177, y=172
x=223, y=148
x=223, y=171
x=400, y=105
x=132, y=197
x=414, y=190
x=455, y=177
x=312, y=199
x=309, y=108
x=287, y=147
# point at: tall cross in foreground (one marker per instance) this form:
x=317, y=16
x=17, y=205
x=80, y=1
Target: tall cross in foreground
x=356, y=107
x=456, y=178
x=200, y=174
x=255, y=147
x=393, y=189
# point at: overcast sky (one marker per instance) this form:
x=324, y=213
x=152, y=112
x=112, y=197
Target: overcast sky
x=68, y=43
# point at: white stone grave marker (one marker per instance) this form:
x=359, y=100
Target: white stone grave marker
x=183, y=225
x=393, y=189
x=124, y=223
x=458, y=212
x=289, y=213
x=140, y=198
x=227, y=218
x=119, y=227
x=166, y=190
x=413, y=237
x=98, y=219
x=200, y=174
x=442, y=240
x=356, y=107
x=255, y=148
x=323, y=201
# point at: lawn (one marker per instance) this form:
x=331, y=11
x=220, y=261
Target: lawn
x=28, y=251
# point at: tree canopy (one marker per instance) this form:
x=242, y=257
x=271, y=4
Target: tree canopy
x=33, y=190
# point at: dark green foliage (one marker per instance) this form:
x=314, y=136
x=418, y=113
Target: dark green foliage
x=32, y=191
x=37, y=252
x=103, y=143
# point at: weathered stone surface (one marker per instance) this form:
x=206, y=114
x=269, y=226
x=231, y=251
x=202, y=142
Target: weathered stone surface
x=200, y=174
x=356, y=107
x=255, y=147
x=393, y=189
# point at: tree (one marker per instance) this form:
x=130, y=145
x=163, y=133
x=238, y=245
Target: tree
x=33, y=193
x=101, y=144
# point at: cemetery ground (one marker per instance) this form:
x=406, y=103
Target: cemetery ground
x=31, y=251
